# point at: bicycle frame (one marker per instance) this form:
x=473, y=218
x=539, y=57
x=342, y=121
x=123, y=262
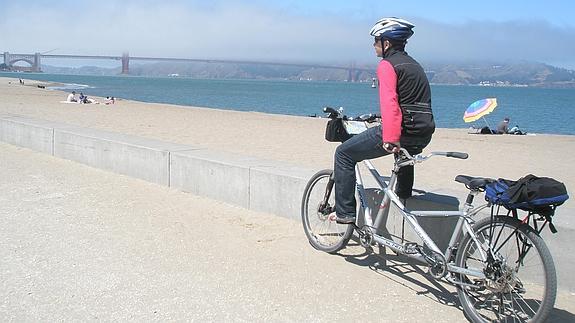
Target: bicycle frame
x=374, y=224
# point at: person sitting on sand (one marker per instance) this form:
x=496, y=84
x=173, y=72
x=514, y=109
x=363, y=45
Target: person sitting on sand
x=83, y=98
x=72, y=97
x=503, y=126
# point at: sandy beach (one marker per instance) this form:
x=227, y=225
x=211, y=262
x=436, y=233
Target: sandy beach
x=296, y=140
x=104, y=207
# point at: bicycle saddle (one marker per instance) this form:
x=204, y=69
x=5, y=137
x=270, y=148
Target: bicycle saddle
x=473, y=183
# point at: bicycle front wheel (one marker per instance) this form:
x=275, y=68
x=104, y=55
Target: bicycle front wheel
x=318, y=214
x=520, y=283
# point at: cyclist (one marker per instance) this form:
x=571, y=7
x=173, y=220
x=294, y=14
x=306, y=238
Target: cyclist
x=407, y=119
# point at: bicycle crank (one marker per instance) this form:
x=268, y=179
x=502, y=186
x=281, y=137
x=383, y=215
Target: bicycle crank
x=365, y=237
x=436, y=261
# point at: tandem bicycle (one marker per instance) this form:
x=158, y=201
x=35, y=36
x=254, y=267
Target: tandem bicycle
x=499, y=264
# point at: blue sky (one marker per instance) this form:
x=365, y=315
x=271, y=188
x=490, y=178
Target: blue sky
x=291, y=30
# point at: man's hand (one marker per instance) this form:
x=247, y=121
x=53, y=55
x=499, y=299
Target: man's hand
x=392, y=147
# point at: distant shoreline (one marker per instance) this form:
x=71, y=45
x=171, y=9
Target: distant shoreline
x=555, y=85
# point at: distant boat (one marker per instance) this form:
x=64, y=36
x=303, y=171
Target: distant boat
x=373, y=85
x=174, y=75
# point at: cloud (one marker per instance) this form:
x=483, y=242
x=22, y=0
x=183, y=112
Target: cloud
x=235, y=30
x=531, y=40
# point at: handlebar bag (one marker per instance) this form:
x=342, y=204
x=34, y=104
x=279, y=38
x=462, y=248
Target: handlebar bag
x=335, y=131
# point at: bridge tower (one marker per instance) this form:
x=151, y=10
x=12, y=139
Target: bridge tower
x=33, y=59
x=36, y=67
x=351, y=73
x=126, y=63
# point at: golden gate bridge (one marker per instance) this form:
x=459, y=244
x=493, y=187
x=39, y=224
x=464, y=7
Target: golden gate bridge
x=35, y=62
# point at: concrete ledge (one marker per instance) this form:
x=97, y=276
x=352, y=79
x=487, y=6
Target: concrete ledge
x=128, y=155
x=278, y=189
x=216, y=175
x=28, y=133
x=261, y=185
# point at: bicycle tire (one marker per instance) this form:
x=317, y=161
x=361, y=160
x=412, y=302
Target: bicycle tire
x=527, y=286
x=321, y=230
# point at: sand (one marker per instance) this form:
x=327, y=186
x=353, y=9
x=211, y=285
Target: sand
x=163, y=248
x=297, y=140
x=80, y=244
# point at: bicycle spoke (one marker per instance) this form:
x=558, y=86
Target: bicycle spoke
x=520, y=298
x=513, y=311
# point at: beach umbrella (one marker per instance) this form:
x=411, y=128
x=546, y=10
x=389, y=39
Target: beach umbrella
x=479, y=109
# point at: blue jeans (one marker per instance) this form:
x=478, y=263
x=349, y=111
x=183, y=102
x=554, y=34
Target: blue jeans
x=368, y=145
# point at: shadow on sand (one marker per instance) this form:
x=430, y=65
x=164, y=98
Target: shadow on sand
x=412, y=274
x=405, y=272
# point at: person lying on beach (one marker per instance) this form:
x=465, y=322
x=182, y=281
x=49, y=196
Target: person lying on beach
x=516, y=131
x=486, y=131
x=109, y=100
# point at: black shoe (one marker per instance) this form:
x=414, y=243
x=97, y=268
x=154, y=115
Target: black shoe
x=347, y=220
x=403, y=195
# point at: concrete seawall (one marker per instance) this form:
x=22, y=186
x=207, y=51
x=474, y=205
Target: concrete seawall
x=255, y=184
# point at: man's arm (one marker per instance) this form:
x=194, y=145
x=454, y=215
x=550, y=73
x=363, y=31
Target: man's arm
x=390, y=112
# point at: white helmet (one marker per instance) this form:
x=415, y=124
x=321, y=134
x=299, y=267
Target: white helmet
x=392, y=28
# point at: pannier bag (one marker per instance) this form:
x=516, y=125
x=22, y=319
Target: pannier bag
x=529, y=193
x=335, y=131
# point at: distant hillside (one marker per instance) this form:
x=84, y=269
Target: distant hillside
x=514, y=74
x=486, y=74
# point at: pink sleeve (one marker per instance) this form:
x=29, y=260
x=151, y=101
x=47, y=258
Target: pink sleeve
x=390, y=111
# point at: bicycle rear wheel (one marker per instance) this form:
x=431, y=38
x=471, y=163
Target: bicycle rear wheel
x=319, y=219
x=520, y=283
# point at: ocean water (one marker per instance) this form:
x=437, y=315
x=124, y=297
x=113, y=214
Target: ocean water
x=534, y=110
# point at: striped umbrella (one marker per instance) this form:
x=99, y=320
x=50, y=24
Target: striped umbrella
x=479, y=109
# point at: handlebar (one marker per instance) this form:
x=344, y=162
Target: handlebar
x=406, y=158
x=334, y=114
x=330, y=110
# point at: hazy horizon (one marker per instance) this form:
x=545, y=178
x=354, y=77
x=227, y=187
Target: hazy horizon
x=334, y=32
x=114, y=64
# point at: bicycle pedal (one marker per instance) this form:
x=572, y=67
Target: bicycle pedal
x=411, y=248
